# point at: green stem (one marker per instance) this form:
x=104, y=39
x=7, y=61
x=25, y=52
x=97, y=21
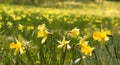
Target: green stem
x=41, y=54
x=29, y=57
x=63, y=56
x=116, y=55
x=108, y=50
x=22, y=62
x=95, y=57
x=17, y=61
x=85, y=63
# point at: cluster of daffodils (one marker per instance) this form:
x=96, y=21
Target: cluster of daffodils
x=22, y=27
x=101, y=36
x=75, y=32
x=84, y=47
x=18, y=46
x=42, y=33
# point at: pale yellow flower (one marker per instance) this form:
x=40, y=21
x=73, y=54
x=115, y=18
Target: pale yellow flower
x=64, y=44
x=82, y=42
x=42, y=27
x=30, y=28
x=9, y=24
x=42, y=32
x=23, y=15
x=18, y=18
x=20, y=27
x=74, y=32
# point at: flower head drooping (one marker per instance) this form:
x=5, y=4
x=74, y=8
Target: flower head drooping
x=64, y=44
x=18, y=46
x=42, y=32
x=85, y=48
x=74, y=32
x=101, y=36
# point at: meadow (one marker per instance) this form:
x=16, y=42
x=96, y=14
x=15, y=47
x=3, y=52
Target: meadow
x=86, y=35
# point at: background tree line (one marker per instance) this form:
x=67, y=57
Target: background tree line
x=39, y=2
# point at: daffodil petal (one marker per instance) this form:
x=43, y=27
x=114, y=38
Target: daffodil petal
x=68, y=47
x=60, y=46
x=43, y=40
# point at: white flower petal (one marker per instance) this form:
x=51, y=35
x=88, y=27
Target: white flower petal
x=68, y=47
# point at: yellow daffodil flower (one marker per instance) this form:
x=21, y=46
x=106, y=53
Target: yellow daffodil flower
x=82, y=42
x=42, y=27
x=74, y=32
x=85, y=48
x=42, y=33
x=30, y=28
x=18, y=18
x=20, y=27
x=101, y=36
x=64, y=44
x=17, y=46
x=9, y=24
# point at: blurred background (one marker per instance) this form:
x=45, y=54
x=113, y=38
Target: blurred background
x=52, y=2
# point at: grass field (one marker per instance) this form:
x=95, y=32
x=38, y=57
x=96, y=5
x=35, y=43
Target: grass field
x=86, y=35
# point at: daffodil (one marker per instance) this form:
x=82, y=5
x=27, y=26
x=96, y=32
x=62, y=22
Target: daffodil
x=82, y=42
x=85, y=48
x=64, y=44
x=42, y=33
x=18, y=46
x=74, y=32
x=9, y=24
x=30, y=28
x=20, y=27
x=101, y=36
x=42, y=27
x=18, y=18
